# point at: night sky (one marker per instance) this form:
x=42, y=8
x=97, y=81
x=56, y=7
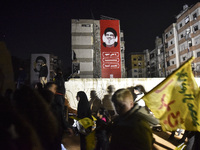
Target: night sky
x=45, y=26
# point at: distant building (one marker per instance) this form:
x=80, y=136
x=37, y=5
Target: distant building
x=160, y=60
x=149, y=63
x=86, y=43
x=122, y=44
x=182, y=40
x=136, y=65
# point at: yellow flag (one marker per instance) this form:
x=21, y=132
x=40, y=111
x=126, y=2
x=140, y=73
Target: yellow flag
x=85, y=122
x=175, y=101
x=90, y=141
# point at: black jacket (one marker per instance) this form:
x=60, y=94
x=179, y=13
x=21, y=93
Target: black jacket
x=131, y=131
x=43, y=71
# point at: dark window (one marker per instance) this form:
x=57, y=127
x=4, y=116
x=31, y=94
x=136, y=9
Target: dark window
x=166, y=36
x=134, y=59
x=171, y=42
x=172, y=52
x=152, y=55
x=135, y=65
x=85, y=25
x=184, y=58
x=198, y=54
x=196, y=28
x=180, y=25
x=135, y=70
x=181, y=36
x=195, y=16
x=172, y=62
x=168, y=63
x=166, y=45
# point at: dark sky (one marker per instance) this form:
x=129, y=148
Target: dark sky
x=45, y=26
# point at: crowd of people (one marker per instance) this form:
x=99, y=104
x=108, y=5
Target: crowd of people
x=36, y=118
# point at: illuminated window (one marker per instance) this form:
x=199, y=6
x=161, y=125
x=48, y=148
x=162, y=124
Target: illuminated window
x=187, y=19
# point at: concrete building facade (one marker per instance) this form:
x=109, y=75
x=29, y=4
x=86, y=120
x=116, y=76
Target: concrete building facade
x=182, y=39
x=86, y=50
x=136, y=67
x=149, y=63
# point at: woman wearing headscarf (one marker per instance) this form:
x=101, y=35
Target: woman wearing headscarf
x=83, y=111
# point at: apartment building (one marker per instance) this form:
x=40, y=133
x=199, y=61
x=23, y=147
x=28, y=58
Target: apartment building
x=182, y=39
x=155, y=60
x=136, y=67
x=160, y=57
x=122, y=45
x=88, y=61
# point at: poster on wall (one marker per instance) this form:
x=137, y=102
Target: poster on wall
x=36, y=60
x=110, y=49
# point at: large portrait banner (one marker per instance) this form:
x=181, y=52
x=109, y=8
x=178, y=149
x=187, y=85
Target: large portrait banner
x=110, y=49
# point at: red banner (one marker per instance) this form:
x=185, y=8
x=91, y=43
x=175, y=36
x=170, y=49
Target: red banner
x=110, y=49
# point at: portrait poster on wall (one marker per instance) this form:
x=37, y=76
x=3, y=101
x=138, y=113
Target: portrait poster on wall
x=110, y=49
x=36, y=60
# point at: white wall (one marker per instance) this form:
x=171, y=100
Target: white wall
x=100, y=85
x=82, y=40
x=80, y=28
x=84, y=53
x=86, y=66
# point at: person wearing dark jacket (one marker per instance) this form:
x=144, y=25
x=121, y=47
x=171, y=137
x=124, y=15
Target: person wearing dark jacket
x=129, y=130
x=43, y=73
x=57, y=109
x=60, y=92
x=101, y=130
x=33, y=108
x=82, y=112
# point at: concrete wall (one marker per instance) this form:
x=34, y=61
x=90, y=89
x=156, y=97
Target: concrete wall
x=100, y=85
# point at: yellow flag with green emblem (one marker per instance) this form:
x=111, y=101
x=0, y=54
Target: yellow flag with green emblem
x=176, y=100
x=90, y=138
